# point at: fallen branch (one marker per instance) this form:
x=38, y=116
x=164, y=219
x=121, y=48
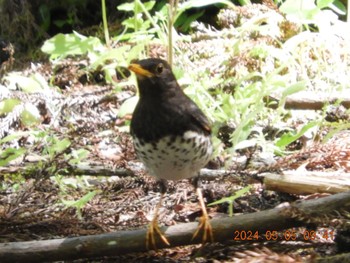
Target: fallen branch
x=118, y=243
x=80, y=169
x=102, y=170
x=307, y=182
x=309, y=100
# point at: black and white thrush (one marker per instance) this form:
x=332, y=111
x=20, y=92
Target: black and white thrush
x=171, y=135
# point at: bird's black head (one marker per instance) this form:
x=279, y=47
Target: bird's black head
x=154, y=77
x=163, y=108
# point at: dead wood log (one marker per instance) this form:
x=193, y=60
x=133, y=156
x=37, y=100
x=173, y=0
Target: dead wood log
x=80, y=169
x=103, y=170
x=119, y=243
x=307, y=182
x=308, y=100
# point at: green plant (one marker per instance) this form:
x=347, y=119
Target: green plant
x=12, y=181
x=18, y=107
x=105, y=25
x=63, y=45
x=292, y=136
x=54, y=148
x=8, y=154
x=143, y=29
x=75, y=44
x=80, y=203
x=160, y=25
x=308, y=12
x=232, y=198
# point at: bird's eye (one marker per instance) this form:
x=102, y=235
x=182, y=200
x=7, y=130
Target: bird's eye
x=159, y=68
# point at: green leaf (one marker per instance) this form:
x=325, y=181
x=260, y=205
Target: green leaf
x=117, y=54
x=78, y=156
x=199, y=3
x=127, y=7
x=80, y=203
x=149, y=5
x=130, y=7
x=244, y=2
x=323, y=3
x=288, y=138
x=61, y=146
x=128, y=106
x=20, y=134
x=7, y=105
x=10, y=154
x=231, y=199
x=136, y=23
x=56, y=146
x=62, y=45
x=184, y=21
x=30, y=115
x=300, y=9
x=338, y=7
x=259, y=52
x=26, y=84
x=32, y=84
x=299, y=86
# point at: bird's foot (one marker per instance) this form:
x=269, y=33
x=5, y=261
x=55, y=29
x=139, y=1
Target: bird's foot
x=204, y=225
x=204, y=222
x=153, y=229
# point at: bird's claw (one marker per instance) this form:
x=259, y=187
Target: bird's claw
x=153, y=229
x=207, y=230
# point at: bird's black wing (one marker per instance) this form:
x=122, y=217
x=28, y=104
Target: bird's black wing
x=198, y=117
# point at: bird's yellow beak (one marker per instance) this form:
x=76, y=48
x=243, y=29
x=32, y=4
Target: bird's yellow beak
x=138, y=70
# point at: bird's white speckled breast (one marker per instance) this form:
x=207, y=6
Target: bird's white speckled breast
x=175, y=157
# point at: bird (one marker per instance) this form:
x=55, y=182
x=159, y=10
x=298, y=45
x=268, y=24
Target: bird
x=171, y=136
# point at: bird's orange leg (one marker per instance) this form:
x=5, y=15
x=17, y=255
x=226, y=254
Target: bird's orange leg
x=204, y=221
x=153, y=227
